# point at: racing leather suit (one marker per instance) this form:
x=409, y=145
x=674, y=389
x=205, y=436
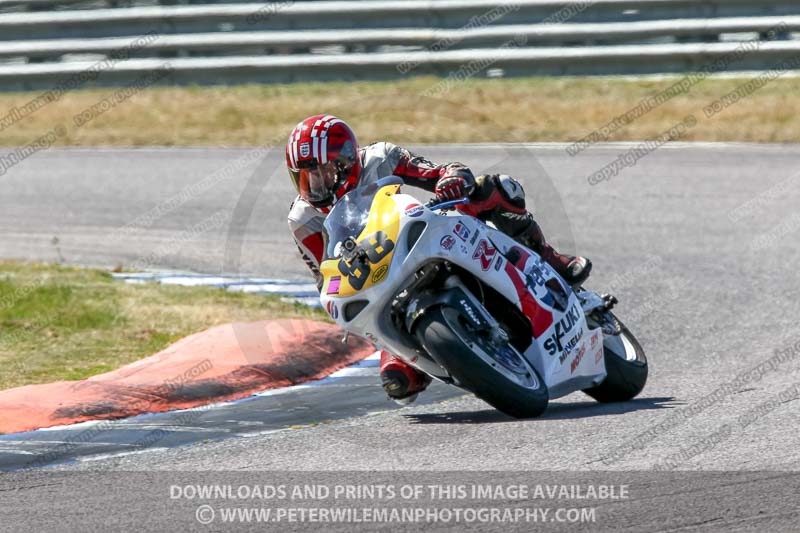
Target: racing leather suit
x=499, y=199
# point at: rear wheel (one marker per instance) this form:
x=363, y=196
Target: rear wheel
x=626, y=364
x=495, y=372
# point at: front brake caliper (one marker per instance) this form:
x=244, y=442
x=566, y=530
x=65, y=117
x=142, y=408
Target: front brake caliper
x=590, y=301
x=609, y=301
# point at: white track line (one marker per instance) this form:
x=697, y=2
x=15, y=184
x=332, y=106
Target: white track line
x=293, y=291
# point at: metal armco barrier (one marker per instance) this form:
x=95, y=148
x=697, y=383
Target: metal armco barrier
x=283, y=41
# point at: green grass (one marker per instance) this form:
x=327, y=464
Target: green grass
x=476, y=110
x=66, y=323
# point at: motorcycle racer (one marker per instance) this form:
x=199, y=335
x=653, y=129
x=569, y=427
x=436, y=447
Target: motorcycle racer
x=325, y=162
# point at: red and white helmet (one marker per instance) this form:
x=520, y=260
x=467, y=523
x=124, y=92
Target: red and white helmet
x=322, y=158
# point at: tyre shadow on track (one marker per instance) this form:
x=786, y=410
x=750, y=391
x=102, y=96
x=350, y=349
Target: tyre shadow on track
x=555, y=411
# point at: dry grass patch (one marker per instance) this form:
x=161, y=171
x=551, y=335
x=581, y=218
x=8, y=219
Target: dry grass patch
x=498, y=110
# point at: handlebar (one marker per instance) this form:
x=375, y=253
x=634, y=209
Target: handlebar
x=445, y=205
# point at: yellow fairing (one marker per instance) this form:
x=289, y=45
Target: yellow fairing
x=384, y=216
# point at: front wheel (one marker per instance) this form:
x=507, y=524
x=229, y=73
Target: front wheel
x=626, y=364
x=495, y=373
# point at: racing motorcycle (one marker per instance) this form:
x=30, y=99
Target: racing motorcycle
x=469, y=306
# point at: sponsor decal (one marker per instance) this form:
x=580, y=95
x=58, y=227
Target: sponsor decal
x=474, y=238
x=372, y=338
x=380, y=274
x=485, y=254
x=569, y=346
x=447, y=242
x=414, y=210
x=563, y=327
x=333, y=285
x=536, y=279
x=462, y=231
x=333, y=310
x=305, y=149
x=595, y=340
x=574, y=340
x=464, y=249
x=577, y=360
x=498, y=264
x=470, y=311
x=535, y=274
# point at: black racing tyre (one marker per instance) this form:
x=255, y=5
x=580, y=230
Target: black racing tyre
x=626, y=366
x=442, y=334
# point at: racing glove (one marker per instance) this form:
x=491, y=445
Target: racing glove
x=454, y=184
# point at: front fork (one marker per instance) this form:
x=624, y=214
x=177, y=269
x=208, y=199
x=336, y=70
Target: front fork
x=497, y=334
x=455, y=295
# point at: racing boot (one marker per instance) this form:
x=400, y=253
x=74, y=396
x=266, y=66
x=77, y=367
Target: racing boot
x=401, y=381
x=574, y=269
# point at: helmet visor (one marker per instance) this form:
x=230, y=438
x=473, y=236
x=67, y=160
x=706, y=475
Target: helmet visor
x=317, y=184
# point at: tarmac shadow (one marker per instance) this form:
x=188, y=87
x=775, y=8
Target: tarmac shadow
x=555, y=411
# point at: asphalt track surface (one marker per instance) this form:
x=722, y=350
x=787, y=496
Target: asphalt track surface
x=699, y=243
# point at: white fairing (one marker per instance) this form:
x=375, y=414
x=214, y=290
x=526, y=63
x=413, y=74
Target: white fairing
x=565, y=352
